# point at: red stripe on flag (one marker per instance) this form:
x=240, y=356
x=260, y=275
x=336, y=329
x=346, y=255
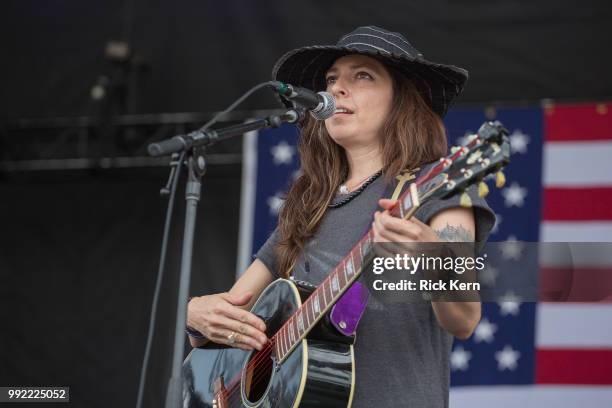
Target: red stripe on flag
x=577, y=204
x=574, y=366
x=577, y=284
x=575, y=122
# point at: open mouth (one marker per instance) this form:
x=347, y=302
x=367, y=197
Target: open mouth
x=343, y=111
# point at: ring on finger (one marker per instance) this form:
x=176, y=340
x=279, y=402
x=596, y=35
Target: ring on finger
x=232, y=337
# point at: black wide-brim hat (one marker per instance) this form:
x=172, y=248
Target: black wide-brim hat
x=438, y=83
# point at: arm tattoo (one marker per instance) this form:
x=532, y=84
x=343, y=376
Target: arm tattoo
x=454, y=233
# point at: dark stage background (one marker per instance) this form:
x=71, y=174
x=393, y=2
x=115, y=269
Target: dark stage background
x=81, y=232
x=79, y=260
x=201, y=54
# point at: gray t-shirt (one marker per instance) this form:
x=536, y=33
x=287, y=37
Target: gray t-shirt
x=401, y=352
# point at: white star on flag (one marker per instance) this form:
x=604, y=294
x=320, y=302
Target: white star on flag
x=485, y=331
x=509, y=304
x=519, y=142
x=275, y=203
x=460, y=358
x=507, y=358
x=511, y=249
x=514, y=195
x=488, y=275
x=283, y=153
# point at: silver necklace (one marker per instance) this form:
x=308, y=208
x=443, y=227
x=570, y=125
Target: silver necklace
x=344, y=189
x=348, y=197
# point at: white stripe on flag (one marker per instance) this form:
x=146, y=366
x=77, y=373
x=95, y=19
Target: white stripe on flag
x=593, y=254
x=539, y=396
x=581, y=164
x=574, y=325
x=592, y=231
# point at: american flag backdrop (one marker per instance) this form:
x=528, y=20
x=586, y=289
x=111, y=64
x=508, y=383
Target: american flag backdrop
x=559, y=189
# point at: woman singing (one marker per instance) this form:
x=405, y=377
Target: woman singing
x=390, y=103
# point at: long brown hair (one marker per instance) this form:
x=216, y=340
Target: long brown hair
x=413, y=135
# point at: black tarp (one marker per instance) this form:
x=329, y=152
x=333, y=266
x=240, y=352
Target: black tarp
x=202, y=54
x=78, y=259
x=78, y=249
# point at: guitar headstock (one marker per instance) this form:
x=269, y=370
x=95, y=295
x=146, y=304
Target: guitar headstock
x=484, y=154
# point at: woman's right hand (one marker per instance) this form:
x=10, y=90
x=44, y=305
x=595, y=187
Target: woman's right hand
x=219, y=317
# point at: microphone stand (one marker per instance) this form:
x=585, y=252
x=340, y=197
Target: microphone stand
x=194, y=145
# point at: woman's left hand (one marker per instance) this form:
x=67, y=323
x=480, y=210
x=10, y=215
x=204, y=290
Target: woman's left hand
x=388, y=228
x=406, y=236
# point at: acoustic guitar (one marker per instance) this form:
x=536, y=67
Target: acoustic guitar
x=307, y=362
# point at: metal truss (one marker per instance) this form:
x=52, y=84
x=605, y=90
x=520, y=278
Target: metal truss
x=117, y=142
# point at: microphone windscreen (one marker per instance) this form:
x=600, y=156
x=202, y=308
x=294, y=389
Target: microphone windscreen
x=327, y=108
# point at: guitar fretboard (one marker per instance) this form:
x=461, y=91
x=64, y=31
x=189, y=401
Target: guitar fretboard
x=323, y=298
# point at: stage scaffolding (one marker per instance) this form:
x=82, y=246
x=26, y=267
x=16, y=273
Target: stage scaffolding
x=117, y=142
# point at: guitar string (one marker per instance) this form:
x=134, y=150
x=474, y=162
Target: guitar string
x=257, y=360
x=232, y=391
x=259, y=356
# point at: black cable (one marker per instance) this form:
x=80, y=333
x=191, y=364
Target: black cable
x=237, y=102
x=164, y=248
x=160, y=274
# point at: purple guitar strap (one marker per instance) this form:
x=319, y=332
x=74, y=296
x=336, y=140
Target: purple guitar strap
x=348, y=310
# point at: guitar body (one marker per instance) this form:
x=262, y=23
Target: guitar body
x=319, y=372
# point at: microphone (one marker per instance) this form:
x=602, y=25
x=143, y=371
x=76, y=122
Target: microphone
x=321, y=105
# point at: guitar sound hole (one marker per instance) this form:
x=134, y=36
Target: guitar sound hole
x=257, y=374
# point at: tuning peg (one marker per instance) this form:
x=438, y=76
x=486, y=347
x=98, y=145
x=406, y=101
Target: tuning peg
x=483, y=189
x=500, y=179
x=465, y=200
